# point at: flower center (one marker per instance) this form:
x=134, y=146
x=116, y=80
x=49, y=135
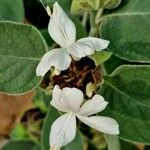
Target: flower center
x=78, y=75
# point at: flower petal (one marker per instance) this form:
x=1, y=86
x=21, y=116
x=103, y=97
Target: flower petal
x=103, y=124
x=63, y=131
x=86, y=46
x=95, y=43
x=79, y=50
x=56, y=99
x=73, y=98
x=61, y=28
x=59, y=58
x=68, y=99
x=93, y=106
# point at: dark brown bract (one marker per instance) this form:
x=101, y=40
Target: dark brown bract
x=78, y=75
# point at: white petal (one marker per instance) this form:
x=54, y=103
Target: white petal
x=95, y=43
x=61, y=28
x=59, y=58
x=79, y=50
x=56, y=99
x=93, y=106
x=63, y=131
x=73, y=99
x=103, y=124
x=68, y=99
x=86, y=46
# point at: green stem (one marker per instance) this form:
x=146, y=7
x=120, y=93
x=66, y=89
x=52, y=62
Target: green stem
x=94, y=26
x=84, y=19
x=95, y=16
x=98, y=17
x=113, y=142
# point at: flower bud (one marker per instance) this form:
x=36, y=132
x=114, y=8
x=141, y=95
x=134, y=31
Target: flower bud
x=32, y=120
x=109, y=4
x=84, y=5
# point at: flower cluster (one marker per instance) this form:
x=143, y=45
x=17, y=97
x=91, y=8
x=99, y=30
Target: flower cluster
x=71, y=100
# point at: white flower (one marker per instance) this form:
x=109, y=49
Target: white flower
x=69, y=100
x=63, y=32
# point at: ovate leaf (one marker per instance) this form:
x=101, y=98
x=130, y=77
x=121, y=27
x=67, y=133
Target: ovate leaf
x=128, y=31
x=21, y=49
x=37, y=147
x=47, y=37
x=12, y=10
x=126, y=145
x=76, y=144
x=114, y=62
x=127, y=91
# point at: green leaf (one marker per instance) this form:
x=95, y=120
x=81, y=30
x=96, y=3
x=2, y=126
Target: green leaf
x=125, y=145
x=100, y=57
x=47, y=37
x=127, y=91
x=12, y=10
x=76, y=144
x=19, y=145
x=37, y=147
x=52, y=115
x=21, y=49
x=84, y=5
x=128, y=31
x=114, y=62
